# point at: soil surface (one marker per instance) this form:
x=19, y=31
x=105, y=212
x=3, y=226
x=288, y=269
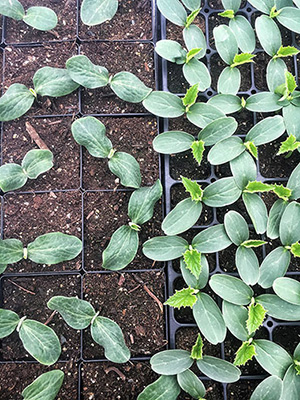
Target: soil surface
x=242, y=389
x=27, y=216
x=136, y=58
x=56, y=133
x=136, y=311
x=28, y=297
x=66, y=10
x=133, y=21
x=21, y=63
x=104, y=213
x=287, y=336
x=131, y=135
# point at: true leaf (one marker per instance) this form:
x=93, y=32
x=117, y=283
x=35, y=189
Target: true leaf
x=190, y=279
x=256, y=316
x=77, y=313
x=290, y=82
x=191, y=54
x=229, y=81
x=247, y=265
x=164, y=104
x=244, y=354
x=235, y=318
x=197, y=349
x=295, y=249
x=11, y=251
x=288, y=290
x=201, y=114
x=95, y=12
x=258, y=187
x=250, y=146
x=278, y=308
x=41, y=18
x=231, y=289
x=287, y=51
x=15, y=102
x=217, y=130
x=243, y=58
x=174, y=11
x=290, y=144
x=12, y=9
x=163, y=387
x=192, y=259
x=257, y=211
x=108, y=334
x=53, y=82
x=173, y=142
x=282, y=192
x=171, y=362
x=227, y=14
x=226, y=43
x=269, y=389
x=191, y=96
x=191, y=384
x=191, y=17
x=212, y=239
x=142, y=201
x=8, y=322
x=36, y=162
x=253, y=243
x=45, y=387
x=196, y=72
x=12, y=177
x=218, y=370
x=193, y=189
x=40, y=341
x=226, y=150
x=165, y=248
x=129, y=87
x=221, y=193
x=85, y=73
x=198, y=149
x=53, y=248
x=274, y=265
x=121, y=249
x=289, y=228
x=236, y=227
x=125, y=167
x=243, y=32
x=90, y=133
x=183, y=298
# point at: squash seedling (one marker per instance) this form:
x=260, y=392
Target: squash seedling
x=46, y=386
x=124, y=242
x=95, y=12
x=41, y=18
x=51, y=248
x=80, y=314
x=14, y=176
x=39, y=340
x=174, y=366
x=90, y=133
x=229, y=81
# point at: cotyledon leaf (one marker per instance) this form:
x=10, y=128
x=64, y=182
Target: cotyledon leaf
x=36, y=162
x=171, y=362
x=53, y=82
x=12, y=9
x=164, y=104
x=165, y=248
x=231, y=289
x=12, y=177
x=278, y=308
x=236, y=227
x=95, y=12
x=191, y=384
x=235, y=318
x=174, y=11
x=219, y=370
x=201, y=114
x=129, y=87
x=269, y=389
x=274, y=265
x=212, y=239
x=8, y=322
x=41, y=18
x=15, y=102
x=126, y=168
x=173, y=142
x=45, y=387
x=165, y=387
x=85, y=73
x=221, y=193
x=11, y=251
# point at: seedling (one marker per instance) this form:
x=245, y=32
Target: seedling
x=47, y=385
x=80, y=314
x=90, y=133
x=41, y=18
x=35, y=163
x=51, y=248
x=95, y=12
x=124, y=242
x=39, y=340
x=174, y=366
x=227, y=46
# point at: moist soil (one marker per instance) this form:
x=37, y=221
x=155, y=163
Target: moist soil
x=66, y=10
x=136, y=311
x=56, y=134
x=242, y=389
x=131, y=135
x=28, y=296
x=286, y=337
x=104, y=213
x=133, y=21
x=27, y=216
x=21, y=63
x=116, y=57
x=15, y=377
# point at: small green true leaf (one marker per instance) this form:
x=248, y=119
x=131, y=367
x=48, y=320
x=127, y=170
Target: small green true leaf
x=198, y=149
x=286, y=51
x=193, y=188
x=197, y=349
x=295, y=249
x=227, y=14
x=244, y=354
x=243, y=58
x=289, y=145
x=253, y=243
x=256, y=316
x=250, y=146
x=282, y=192
x=191, y=96
x=290, y=82
x=183, y=298
x=191, y=54
x=258, y=187
x=45, y=387
x=192, y=259
x=190, y=19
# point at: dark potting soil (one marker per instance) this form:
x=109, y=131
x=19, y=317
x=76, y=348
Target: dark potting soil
x=56, y=133
x=28, y=296
x=242, y=389
x=116, y=57
x=66, y=10
x=237, y=206
x=104, y=213
x=132, y=135
x=287, y=336
x=27, y=216
x=178, y=194
x=186, y=338
x=15, y=377
x=133, y=21
x=21, y=63
x=214, y=21
x=116, y=381
x=271, y=165
x=134, y=308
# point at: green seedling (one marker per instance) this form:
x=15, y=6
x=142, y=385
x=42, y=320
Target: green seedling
x=95, y=12
x=46, y=386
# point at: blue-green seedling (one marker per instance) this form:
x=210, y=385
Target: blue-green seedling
x=46, y=386
x=95, y=12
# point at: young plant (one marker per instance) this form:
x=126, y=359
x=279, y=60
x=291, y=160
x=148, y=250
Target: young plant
x=47, y=81
x=14, y=176
x=229, y=81
x=51, y=248
x=194, y=71
x=124, y=242
x=90, y=133
x=174, y=142
x=41, y=18
x=95, y=12
x=46, y=386
x=39, y=340
x=239, y=25
x=80, y=314
x=174, y=366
